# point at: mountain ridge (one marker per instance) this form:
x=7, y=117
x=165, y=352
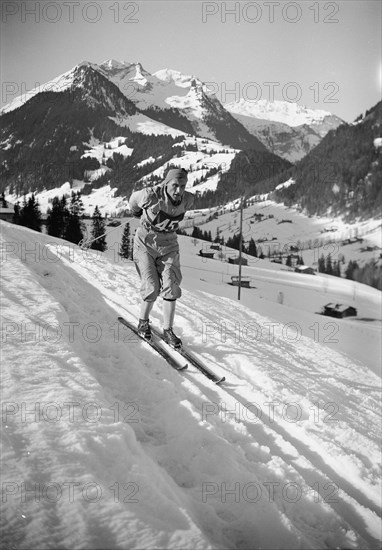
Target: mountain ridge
x=168, y=89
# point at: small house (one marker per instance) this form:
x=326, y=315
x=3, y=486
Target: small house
x=305, y=269
x=244, y=283
x=339, y=310
x=206, y=253
x=6, y=214
x=236, y=260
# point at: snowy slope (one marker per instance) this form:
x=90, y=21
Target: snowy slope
x=61, y=83
x=209, y=155
x=280, y=227
x=105, y=446
x=163, y=89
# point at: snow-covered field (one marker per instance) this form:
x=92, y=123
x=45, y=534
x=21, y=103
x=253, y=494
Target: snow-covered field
x=280, y=227
x=106, y=446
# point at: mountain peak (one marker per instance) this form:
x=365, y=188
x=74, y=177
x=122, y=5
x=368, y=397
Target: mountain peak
x=113, y=64
x=173, y=76
x=86, y=63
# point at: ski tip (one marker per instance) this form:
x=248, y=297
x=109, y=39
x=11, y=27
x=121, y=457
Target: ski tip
x=220, y=380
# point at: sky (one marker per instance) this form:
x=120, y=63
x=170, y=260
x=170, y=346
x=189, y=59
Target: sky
x=325, y=55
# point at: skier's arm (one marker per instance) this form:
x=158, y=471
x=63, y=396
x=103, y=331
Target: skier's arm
x=137, y=200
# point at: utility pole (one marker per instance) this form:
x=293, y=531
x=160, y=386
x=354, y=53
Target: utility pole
x=240, y=246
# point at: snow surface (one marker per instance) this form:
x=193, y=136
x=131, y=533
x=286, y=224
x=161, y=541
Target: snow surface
x=145, y=125
x=313, y=235
x=286, y=184
x=106, y=446
x=106, y=150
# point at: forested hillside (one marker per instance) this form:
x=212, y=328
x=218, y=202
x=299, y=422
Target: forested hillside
x=342, y=175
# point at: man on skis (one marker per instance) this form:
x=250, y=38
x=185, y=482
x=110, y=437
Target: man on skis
x=156, y=249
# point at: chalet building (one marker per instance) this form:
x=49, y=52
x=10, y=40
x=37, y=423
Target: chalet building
x=236, y=260
x=339, y=311
x=206, y=254
x=305, y=269
x=6, y=210
x=245, y=281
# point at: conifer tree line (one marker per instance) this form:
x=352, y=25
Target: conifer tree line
x=370, y=274
x=28, y=213
x=65, y=221
x=329, y=266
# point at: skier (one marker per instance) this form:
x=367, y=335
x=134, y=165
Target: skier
x=156, y=248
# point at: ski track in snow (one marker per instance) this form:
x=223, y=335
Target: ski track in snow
x=209, y=466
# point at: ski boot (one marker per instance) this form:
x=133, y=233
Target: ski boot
x=144, y=328
x=171, y=339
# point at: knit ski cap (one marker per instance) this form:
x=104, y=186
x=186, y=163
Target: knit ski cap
x=176, y=174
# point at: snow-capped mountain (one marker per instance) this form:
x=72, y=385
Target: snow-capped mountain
x=167, y=91
x=179, y=101
x=286, y=112
x=185, y=103
x=66, y=132
x=74, y=78
x=287, y=129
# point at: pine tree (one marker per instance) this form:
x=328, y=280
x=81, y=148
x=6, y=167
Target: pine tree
x=352, y=267
x=98, y=230
x=329, y=266
x=16, y=213
x=74, y=227
x=321, y=264
x=336, y=269
x=252, y=250
x=30, y=214
x=197, y=233
x=125, y=248
x=57, y=217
